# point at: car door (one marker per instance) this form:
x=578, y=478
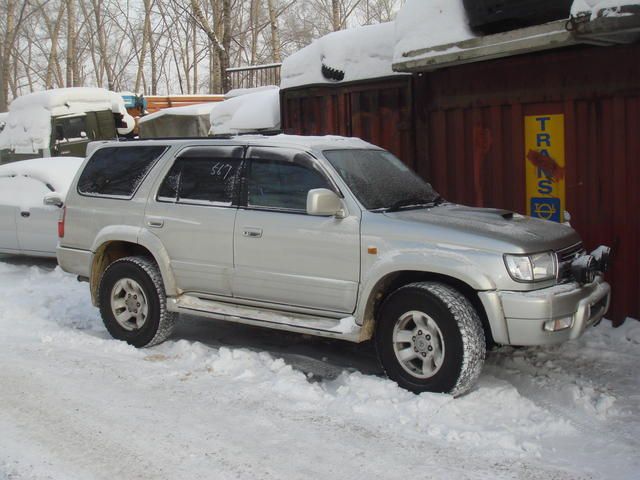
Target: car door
x=284, y=256
x=8, y=213
x=193, y=214
x=37, y=223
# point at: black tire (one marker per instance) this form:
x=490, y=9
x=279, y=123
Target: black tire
x=159, y=323
x=458, y=326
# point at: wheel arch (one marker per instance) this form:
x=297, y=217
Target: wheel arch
x=392, y=281
x=112, y=249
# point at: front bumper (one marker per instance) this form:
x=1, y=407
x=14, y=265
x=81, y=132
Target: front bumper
x=518, y=318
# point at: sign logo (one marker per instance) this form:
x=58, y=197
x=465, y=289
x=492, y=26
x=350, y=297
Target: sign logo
x=545, y=166
x=546, y=208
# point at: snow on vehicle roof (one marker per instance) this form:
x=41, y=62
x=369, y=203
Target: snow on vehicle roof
x=348, y=55
x=237, y=92
x=55, y=171
x=28, y=126
x=248, y=111
x=424, y=24
x=187, y=111
x=603, y=8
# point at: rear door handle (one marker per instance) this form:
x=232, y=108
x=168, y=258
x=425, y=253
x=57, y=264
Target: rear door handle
x=155, y=223
x=251, y=232
x=25, y=214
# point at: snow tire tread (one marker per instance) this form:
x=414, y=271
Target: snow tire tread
x=167, y=319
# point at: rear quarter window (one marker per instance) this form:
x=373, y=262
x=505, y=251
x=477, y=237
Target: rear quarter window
x=118, y=171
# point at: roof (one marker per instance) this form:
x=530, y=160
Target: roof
x=609, y=29
x=294, y=141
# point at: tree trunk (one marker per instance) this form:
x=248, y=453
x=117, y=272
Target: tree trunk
x=222, y=49
x=275, y=33
x=146, y=39
x=71, y=20
x=53, y=65
x=335, y=15
x=5, y=56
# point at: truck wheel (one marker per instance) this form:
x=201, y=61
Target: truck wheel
x=133, y=303
x=430, y=339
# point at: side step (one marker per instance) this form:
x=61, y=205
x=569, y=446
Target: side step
x=343, y=329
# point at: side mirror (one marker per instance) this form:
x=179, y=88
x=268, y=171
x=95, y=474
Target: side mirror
x=83, y=134
x=324, y=203
x=53, y=199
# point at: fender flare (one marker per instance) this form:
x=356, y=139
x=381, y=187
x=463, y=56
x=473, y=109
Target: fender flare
x=144, y=238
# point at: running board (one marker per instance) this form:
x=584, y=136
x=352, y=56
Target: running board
x=343, y=329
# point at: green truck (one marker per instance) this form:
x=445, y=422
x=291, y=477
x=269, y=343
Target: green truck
x=62, y=122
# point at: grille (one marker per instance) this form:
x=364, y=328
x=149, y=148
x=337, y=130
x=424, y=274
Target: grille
x=565, y=257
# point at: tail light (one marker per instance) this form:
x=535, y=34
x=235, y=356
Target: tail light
x=61, y=222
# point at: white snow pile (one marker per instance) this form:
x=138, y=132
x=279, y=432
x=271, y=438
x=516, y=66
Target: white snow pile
x=247, y=111
x=24, y=184
x=355, y=54
x=601, y=8
x=186, y=111
x=28, y=126
x=424, y=24
x=56, y=171
x=71, y=397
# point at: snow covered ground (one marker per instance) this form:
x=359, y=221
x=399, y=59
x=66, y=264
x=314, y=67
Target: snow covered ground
x=227, y=401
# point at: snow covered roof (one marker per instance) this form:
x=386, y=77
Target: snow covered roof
x=601, y=8
x=345, y=56
x=56, y=171
x=424, y=24
x=247, y=111
x=28, y=126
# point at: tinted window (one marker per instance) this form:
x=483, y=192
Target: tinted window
x=118, y=171
x=203, y=176
x=73, y=127
x=282, y=184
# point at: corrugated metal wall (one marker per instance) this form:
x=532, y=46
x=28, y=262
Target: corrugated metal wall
x=470, y=121
x=462, y=128
x=380, y=112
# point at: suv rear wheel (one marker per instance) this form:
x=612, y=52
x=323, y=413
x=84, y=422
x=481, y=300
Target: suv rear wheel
x=133, y=303
x=430, y=338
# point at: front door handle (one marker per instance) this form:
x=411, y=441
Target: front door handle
x=251, y=232
x=25, y=214
x=156, y=223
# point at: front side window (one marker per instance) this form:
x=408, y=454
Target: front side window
x=118, y=171
x=281, y=181
x=71, y=128
x=203, y=176
x=380, y=181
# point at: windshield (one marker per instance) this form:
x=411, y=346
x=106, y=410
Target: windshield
x=381, y=181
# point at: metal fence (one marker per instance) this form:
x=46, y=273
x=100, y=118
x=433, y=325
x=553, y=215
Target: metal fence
x=255, y=75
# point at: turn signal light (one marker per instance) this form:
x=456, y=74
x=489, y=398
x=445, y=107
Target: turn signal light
x=61, y=223
x=558, y=324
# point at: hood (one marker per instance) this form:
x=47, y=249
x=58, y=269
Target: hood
x=522, y=234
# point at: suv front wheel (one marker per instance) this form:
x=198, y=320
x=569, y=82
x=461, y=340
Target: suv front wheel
x=429, y=338
x=133, y=303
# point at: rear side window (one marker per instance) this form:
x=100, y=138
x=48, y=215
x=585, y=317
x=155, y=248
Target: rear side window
x=203, y=176
x=118, y=171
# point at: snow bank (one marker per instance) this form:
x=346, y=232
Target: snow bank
x=28, y=126
x=600, y=8
x=253, y=111
x=424, y=24
x=348, y=55
x=56, y=171
x=536, y=413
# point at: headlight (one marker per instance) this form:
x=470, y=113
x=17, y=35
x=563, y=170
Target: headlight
x=531, y=268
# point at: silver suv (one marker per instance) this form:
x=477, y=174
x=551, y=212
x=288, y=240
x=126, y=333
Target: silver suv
x=324, y=236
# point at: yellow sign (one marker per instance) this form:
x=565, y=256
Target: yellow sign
x=545, y=166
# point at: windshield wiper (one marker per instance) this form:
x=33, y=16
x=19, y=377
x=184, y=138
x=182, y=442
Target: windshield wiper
x=414, y=202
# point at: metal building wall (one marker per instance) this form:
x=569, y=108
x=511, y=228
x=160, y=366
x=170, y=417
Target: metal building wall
x=379, y=111
x=462, y=128
x=470, y=121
